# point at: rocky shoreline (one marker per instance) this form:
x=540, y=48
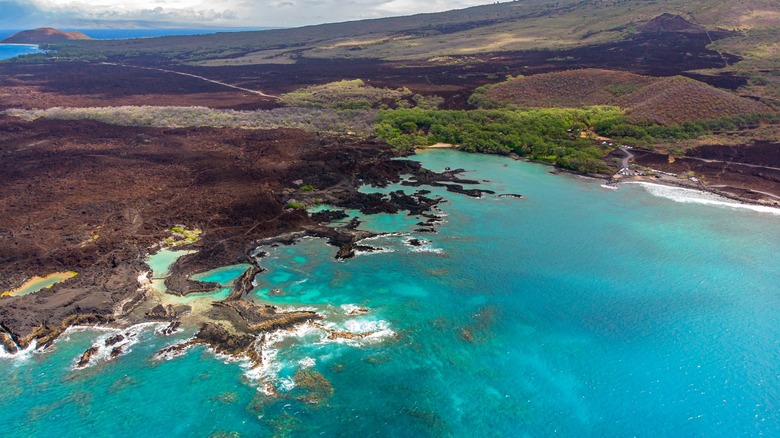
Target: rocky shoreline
x=258, y=202
x=109, y=292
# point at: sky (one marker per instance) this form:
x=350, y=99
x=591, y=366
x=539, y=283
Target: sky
x=18, y=14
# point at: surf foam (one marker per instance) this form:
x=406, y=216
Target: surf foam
x=691, y=196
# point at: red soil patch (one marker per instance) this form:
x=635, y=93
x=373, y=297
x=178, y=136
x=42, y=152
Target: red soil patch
x=573, y=88
x=44, y=35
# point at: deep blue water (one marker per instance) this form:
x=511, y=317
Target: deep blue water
x=576, y=311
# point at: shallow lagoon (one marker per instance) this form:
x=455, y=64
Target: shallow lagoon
x=37, y=284
x=576, y=310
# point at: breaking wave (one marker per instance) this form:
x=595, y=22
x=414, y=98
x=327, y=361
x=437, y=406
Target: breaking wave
x=691, y=196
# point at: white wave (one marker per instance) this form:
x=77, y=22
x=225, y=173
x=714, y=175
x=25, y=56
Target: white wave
x=426, y=248
x=370, y=331
x=21, y=355
x=131, y=336
x=307, y=362
x=610, y=187
x=382, y=236
x=160, y=331
x=287, y=384
x=373, y=251
x=352, y=309
x=269, y=345
x=290, y=309
x=173, y=354
x=691, y=196
x=268, y=348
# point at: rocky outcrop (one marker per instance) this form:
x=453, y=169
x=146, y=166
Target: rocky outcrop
x=226, y=342
x=113, y=340
x=45, y=335
x=87, y=356
x=8, y=343
x=162, y=313
x=170, y=328
x=240, y=332
x=254, y=318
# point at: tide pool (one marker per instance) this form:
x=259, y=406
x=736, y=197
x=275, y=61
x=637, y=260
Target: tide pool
x=37, y=284
x=576, y=311
x=224, y=276
x=162, y=260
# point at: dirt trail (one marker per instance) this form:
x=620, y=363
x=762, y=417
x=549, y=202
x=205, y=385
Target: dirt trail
x=257, y=92
x=736, y=163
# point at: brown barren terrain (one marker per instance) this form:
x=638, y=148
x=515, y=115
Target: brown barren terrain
x=96, y=197
x=43, y=35
x=667, y=101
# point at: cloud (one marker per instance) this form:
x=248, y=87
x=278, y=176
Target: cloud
x=277, y=13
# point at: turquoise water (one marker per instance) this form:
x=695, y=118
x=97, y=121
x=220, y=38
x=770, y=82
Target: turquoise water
x=577, y=311
x=225, y=275
x=13, y=50
x=162, y=260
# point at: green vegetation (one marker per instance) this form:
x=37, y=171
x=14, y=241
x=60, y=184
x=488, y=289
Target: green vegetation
x=181, y=235
x=621, y=89
x=308, y=119
x=357, y=95
x=307, y=188
x=759, y=50
x=642, y=133
x=549, y=135
x=296, y=205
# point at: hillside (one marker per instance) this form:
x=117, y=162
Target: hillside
x=730, y=45
x=663, y=100
x=511, y=26
x=678, y=99
x=44, y=35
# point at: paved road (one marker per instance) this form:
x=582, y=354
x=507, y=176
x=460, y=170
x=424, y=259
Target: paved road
x=629, y=156
x=257, y=92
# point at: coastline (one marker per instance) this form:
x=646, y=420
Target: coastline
x=142, y=300
x=226, y=324
x=665, y=181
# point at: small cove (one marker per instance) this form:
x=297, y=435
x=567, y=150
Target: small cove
x=8, y=51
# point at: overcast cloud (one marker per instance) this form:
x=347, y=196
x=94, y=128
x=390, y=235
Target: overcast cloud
x=15, y=14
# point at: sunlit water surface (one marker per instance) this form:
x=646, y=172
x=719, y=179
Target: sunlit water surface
x=576, y=310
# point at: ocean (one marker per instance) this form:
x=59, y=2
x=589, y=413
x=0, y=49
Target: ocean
x=574, y=311
x=13, y=50
x=8, y=51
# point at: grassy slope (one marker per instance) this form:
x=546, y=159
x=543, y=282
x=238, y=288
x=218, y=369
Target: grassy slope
x=521, y=25
x=663, y=100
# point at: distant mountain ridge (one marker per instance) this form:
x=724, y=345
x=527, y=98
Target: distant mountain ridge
x=44, y=35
